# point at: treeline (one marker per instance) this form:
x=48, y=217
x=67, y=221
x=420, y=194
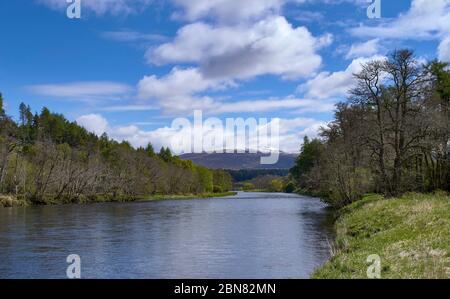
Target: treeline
x=269, y=183
x=391, y=136
x=242, y=175
x=44, y=158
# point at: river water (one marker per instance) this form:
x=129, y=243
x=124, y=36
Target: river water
x=251, y=235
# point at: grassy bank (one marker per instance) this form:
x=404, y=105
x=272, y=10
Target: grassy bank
x=411, y=235
x=10, y=201
x=190, y=196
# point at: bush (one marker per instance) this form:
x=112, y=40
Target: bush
x=217, y=189
x=248, y=187
x=276, y=185
x=289, y=188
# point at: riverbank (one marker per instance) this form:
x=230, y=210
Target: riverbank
x=8, y=201
x=410, y=234
x=190, y=196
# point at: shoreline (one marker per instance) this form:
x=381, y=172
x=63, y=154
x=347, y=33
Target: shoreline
x=188, y=197
x=9, y=201
x=410, y=235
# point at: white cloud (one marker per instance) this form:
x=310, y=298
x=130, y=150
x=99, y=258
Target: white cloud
x=181, y=92
x=179, y=82
x=227, y=11
x=329, y=85
x=444, y=50
x=291, y=132
x=300, y=106
x=126, y=35
x=90, y=90
x=94, y=123
x=424, y=20
x=234, y=11
x=102, y=7
x=270, y=46
x=178, y=91
x=368, y=48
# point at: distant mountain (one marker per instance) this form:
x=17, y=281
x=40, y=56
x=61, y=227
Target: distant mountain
x=235, y=161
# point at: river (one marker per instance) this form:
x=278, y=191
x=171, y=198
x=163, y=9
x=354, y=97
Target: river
x=250, y=235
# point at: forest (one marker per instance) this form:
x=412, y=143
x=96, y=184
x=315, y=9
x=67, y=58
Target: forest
x=391, y=136
x=44, y=159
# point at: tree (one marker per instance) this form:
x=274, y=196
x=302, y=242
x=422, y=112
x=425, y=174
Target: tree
x=248, y=187
x=2, y=110
x=391, y=135
x=394, y=90
x=150, y=150
x=276, y=185
x=309, y=156
x=290, y=187
x=46, y=158
x=165, y=154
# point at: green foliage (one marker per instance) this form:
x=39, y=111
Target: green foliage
x=290, y=187
x=150, y=150
x=442, y=79
x=165, y=154
x=2, y=110
x=248, y=187
x=309, y=156
x=205, y=178
x=222, y=181
x=47, y=159
x=390, y=136
x=411, y=235
x=276, y=185
x=242, y=175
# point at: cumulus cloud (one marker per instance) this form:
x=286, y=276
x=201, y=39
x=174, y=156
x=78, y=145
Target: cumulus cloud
x=424, y=20
x=291, y=132
x=182, y=91
x=444, y=50
x=365, y=49
x=178, y=91
x=94, y=123
x=229, y=11
x=102, y=7
x=329, y=85
x=270, y=46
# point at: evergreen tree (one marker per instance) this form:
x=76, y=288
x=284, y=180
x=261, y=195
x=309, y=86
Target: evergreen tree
x=150, y=150
x=2, y=110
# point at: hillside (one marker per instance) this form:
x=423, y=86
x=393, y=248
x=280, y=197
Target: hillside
x=236, y=161
x=411, y=235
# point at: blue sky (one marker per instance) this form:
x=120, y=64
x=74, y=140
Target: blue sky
x=129, y=68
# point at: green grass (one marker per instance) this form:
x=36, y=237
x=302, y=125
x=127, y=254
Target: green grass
x=9, y=201
x=190, y=196
x=411, y=235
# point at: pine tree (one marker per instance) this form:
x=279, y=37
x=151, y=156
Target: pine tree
x=150, y=150
x=2, y=111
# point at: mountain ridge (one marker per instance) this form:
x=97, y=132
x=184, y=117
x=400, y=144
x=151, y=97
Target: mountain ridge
x=238, y=161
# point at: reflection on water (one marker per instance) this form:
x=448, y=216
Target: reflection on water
x=251, y=235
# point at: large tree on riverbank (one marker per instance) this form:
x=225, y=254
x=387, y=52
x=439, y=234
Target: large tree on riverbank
x=390, y=136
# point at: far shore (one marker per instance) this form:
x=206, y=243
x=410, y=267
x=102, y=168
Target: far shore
x=8, y=201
